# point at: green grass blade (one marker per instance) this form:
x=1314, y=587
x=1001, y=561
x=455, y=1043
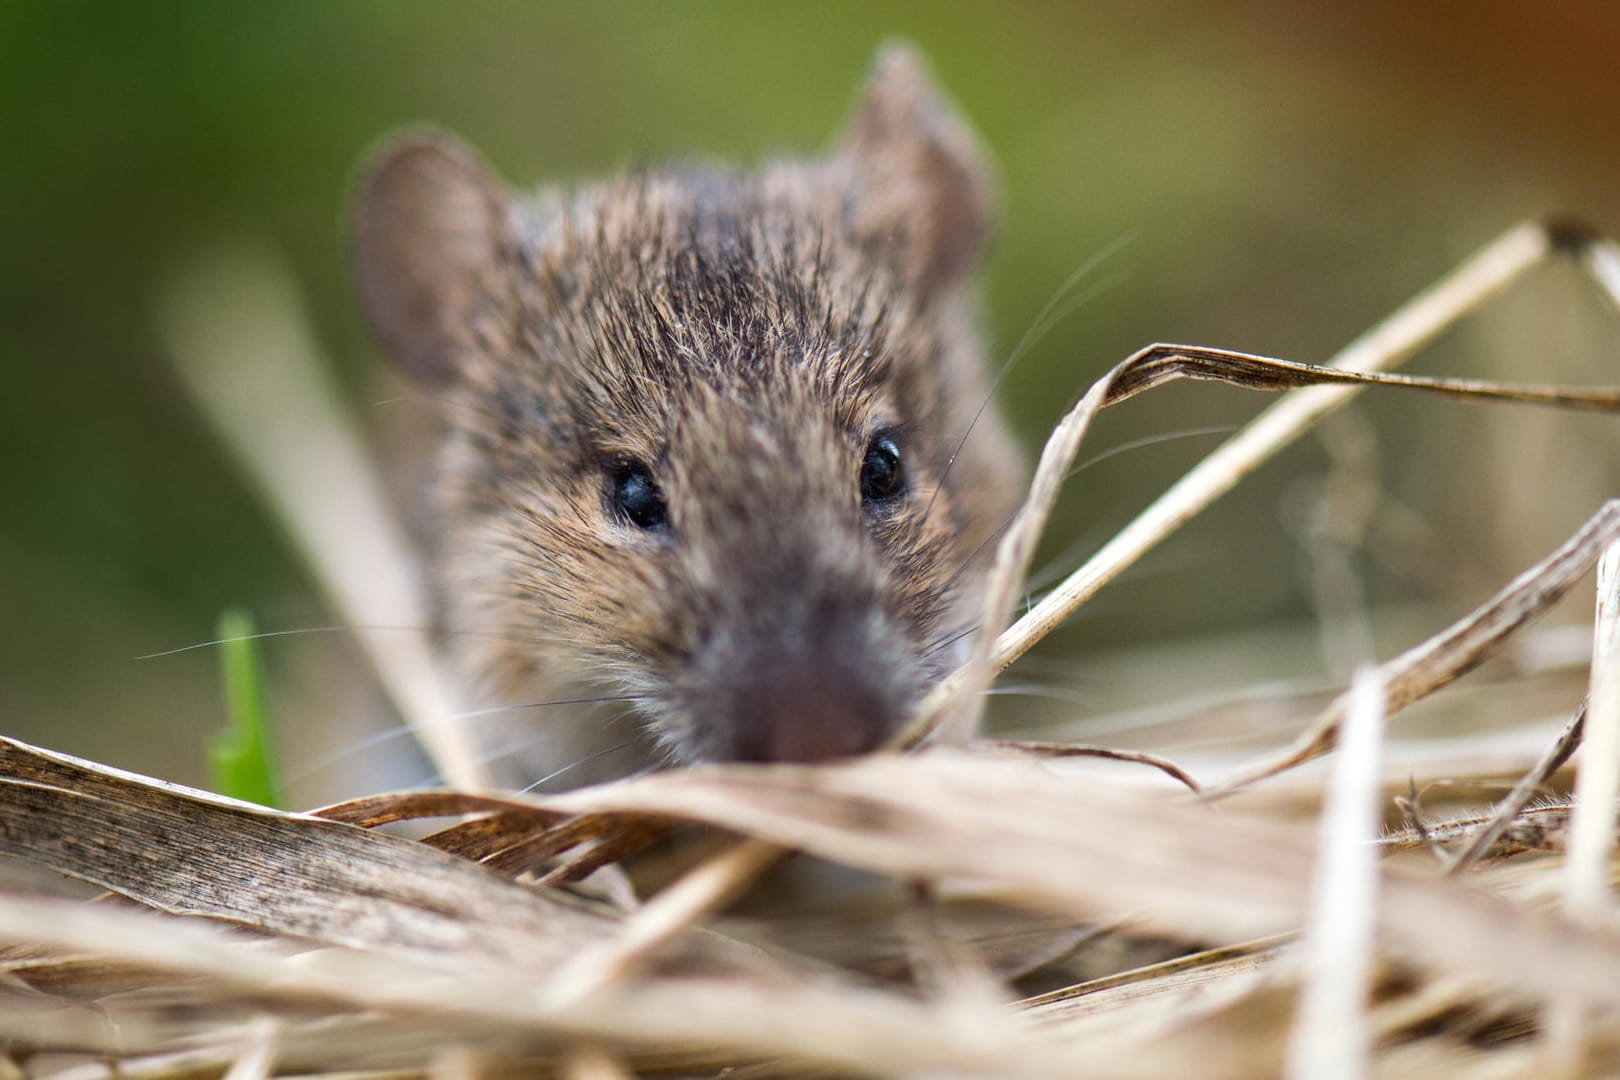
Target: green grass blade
x=242, y=756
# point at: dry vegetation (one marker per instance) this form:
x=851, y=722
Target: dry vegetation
x=1019, y=911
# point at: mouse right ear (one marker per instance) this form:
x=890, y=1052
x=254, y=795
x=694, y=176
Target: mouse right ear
x=430, y=222
x=921, y=177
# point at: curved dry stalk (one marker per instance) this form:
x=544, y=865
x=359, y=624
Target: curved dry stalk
x=952, y=707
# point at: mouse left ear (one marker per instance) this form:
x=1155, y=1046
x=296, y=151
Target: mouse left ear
x=429, y=243
x=921, y=179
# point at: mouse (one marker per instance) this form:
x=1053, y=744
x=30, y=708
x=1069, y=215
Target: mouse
x=717, y=459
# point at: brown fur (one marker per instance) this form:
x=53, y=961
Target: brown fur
x=745, y=336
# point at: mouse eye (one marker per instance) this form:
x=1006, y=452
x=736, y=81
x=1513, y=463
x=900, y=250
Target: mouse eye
x=882, y=476
x=635, y=495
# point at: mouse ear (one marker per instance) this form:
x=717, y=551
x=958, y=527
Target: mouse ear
x=920, y=176
x=428, y=239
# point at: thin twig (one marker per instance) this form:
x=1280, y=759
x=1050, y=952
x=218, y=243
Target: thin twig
x=1062, y=750
x=1503, y=814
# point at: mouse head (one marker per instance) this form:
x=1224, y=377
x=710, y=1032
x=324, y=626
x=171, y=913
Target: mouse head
x=704, y=429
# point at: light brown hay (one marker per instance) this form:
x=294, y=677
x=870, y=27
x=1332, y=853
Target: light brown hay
x=318, y=944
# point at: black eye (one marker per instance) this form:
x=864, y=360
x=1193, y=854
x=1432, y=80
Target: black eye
x=635, y=496
x=882, y=476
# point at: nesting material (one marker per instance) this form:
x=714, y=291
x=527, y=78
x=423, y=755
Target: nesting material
x=1024, y=918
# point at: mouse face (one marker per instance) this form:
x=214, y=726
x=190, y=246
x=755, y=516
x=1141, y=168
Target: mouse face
x=704, y=430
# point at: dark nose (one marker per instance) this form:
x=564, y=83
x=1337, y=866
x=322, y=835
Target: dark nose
x=814, y=666
x=794, y=709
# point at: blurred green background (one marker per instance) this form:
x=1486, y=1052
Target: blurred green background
x=1282, y=174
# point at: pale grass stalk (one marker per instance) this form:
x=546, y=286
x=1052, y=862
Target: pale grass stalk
x=841, y=1026
x=704, y=889
x=1587, y=864
x=1330, y=1038
x=1597, y=781
x=260, y=1053
x=457, y=1062
x=241, y=344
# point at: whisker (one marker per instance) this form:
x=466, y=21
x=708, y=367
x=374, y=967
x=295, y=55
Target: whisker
x=332, y=629
x=1038, y=329
x=1054, y=317
x=1164, y=561
x=1069, y=695
x=1062, y=564
x=952, y=640
x=1146, y=441
x=495, y=709
x=588, y=758
x=260, y=636
x=388, y=735
x=495, y=754
x=645, y=770
x=333, y=758
x=1041, y=577
x=1067, y=667
x=984, y=545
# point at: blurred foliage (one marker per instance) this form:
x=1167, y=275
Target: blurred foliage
x=1286, y=174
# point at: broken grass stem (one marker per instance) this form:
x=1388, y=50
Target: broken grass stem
x=1597, y=778
x=1330, y=1037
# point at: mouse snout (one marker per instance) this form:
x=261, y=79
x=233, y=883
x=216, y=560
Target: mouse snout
x=829, y=689
x=802, y=712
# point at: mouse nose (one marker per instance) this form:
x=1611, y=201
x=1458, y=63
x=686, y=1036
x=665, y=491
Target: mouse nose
x=833, y=682
x=799, y=712
x=801, y=656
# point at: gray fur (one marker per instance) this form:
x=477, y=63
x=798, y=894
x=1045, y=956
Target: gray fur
x=745, y=336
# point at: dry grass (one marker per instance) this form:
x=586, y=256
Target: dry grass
x=1019, y=914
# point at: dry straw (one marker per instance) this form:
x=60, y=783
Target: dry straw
x=1041, y=925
